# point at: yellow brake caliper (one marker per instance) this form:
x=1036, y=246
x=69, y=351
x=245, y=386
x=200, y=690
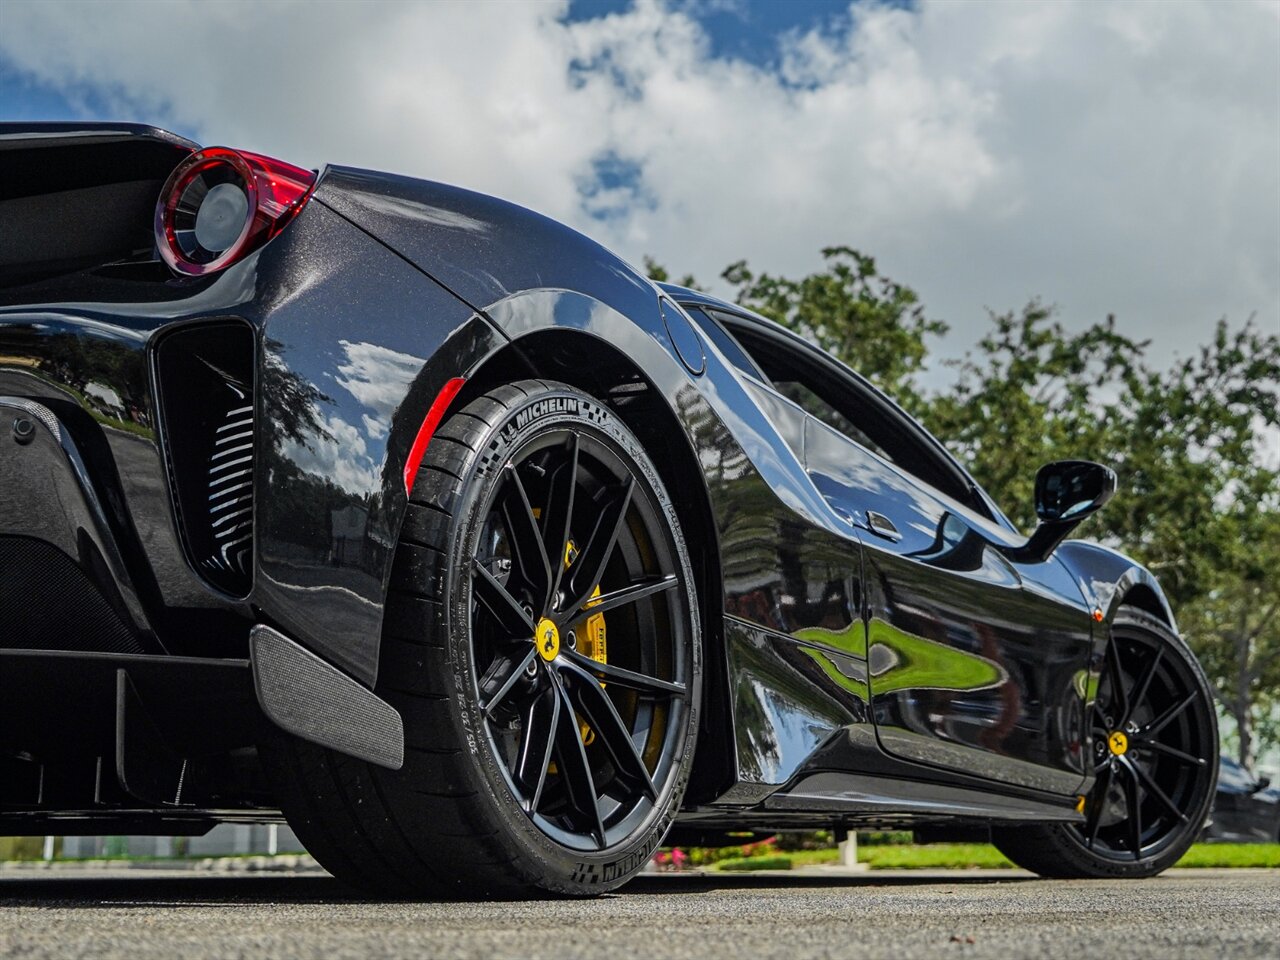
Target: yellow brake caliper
x=591, y=640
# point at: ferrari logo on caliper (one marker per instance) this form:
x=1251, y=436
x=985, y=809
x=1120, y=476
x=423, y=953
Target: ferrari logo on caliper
x=548, y=639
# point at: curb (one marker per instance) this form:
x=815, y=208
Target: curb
x=281, y=863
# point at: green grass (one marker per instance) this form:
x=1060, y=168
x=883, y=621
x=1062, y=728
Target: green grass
x=961, y=856
x=779, y=862
x=951, y=855
x=1232, y=855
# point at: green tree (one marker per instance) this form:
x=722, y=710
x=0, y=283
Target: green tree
x=659, y=274
x=1030, y=393
x=1202, y=509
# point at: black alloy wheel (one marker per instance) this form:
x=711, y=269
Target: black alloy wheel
x=1153, y=742
x=576, y=627
x=1153, y=750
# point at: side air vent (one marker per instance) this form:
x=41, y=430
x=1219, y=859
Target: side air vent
x=206, y=390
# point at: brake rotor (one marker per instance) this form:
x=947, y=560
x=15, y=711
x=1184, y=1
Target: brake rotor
x=591, y=641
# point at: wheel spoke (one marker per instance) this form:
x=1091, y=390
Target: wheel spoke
x=1154, y=788
x=623, y=596
x=1162, y=721
x=1168, y=751
x=1119, y=697
x=1099, y=801
x=557, y=517
x=1139, y=692
x=527, y=546
x=541, y=723
x=623, y=677
x=575, y=769
x=594, y=704
x=1133, y=807
x=588, y=568
x=497, y=599
x=497, y=684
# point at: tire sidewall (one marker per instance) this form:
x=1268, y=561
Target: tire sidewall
x=548, y=406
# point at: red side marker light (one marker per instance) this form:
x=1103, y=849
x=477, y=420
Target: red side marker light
x=439, y=406
x=1097, y=615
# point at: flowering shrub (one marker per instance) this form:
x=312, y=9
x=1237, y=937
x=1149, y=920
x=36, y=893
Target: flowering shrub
x=674, y=858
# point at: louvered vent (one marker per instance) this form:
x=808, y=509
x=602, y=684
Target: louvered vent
x=231, y=486
x=205, y=376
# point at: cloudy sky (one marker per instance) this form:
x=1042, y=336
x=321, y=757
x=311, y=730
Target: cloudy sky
x=1110, y=158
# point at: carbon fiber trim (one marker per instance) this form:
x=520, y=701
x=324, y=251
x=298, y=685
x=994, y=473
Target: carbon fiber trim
x=309, y=698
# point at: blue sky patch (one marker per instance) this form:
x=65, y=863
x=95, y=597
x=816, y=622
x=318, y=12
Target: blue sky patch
x=615, y=187
x=24, y=97
x=743, y=29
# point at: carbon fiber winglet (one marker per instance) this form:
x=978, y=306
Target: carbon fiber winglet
x=309, y=698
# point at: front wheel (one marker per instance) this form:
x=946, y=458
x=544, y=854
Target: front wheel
x=1154, y=738
x=542, y=644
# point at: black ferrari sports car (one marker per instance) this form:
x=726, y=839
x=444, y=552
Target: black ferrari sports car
x=429, y=525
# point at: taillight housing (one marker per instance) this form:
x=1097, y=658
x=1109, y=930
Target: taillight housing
x=219, y=205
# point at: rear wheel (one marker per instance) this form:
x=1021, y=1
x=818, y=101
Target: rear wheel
x=1154, y=739
x=541, y=643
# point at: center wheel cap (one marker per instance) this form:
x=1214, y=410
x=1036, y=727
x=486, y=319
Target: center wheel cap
x=1118, y=743
x=547, y=637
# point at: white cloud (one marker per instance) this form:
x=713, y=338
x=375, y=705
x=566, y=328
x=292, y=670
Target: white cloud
x=339, y=454
x=378, y=377
x=1120, y=158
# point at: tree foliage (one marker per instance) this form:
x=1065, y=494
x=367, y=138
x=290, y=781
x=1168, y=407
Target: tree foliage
x=1197, y=501
x=659, y=274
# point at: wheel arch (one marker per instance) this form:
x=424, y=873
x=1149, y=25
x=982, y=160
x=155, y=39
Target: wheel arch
x=1144, y=597
x=1108, y=580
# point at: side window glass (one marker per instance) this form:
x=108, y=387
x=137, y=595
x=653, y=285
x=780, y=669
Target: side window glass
x=852, y=412
x=784, y=378
x=725, y=343
x=803, y=396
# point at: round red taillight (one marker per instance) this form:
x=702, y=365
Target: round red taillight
x=219, y=205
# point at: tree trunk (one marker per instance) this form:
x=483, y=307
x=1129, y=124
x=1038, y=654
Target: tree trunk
x=1242, y=711
x=1244, y=729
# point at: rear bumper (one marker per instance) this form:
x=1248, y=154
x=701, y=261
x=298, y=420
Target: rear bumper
x=67, y=585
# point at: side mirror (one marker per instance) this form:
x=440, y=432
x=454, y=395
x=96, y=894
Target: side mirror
x=1070, y=490
x=1067, y=491
x=1262, y=784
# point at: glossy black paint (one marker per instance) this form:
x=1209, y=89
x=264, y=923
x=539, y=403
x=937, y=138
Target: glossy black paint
x=864, y=628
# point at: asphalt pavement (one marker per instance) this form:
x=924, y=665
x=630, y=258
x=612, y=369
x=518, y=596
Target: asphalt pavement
x=143, y=914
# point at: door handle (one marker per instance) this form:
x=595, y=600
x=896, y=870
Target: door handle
x=882, y=526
